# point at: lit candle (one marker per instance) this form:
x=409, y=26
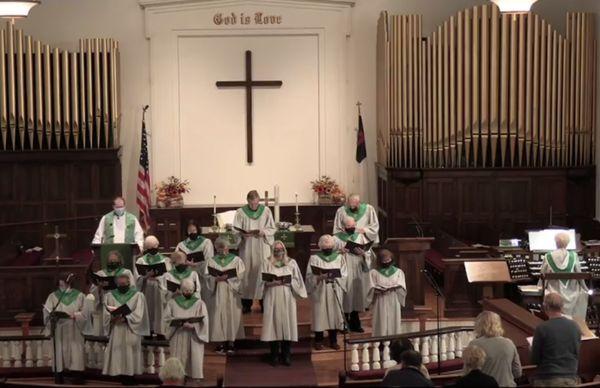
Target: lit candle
x=296, y=202
x=214, y=204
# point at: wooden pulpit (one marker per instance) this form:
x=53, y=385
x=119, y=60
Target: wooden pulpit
x=410, y=257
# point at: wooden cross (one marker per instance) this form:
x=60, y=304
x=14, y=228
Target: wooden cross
x=248, y=83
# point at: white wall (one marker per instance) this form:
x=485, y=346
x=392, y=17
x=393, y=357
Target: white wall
x=62, y=22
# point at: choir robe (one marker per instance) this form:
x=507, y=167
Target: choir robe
x=326, y=313
x=69, y=332
x=224, y=303
x=96, y=326
x=574, y=292
x=280, y=322
x=365, y=217
x=355, y=298
x=386, y=306
x=254, y=250
x=178, y=277
x=120, y=233
x=187, y=345
x=154, y=291
x=123, y=354
x=204, y=245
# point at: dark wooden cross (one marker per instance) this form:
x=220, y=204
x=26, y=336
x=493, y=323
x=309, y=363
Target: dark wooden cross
x=248, y=83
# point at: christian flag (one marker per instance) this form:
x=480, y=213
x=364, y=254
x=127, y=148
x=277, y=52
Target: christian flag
x=143, y=181
x=361, y=146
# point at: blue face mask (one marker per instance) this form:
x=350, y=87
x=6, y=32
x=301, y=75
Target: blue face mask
x=119, y=211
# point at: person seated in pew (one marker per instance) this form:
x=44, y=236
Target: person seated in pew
x=224, y=273
x=187, y=338
x=502, y=359
x=387, y=295
x=474, y=358
x=280, y=285
x=68, y=312
x=172, y=373
x=574, y=292
x=126, y=322
x=409, y=374
x=151, y=283
x=198, y=250
x=555, y=347
x=397, y=347
x=326, y=283
x=179, y=272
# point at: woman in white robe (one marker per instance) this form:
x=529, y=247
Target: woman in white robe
x=197, y=244
x=280, y=322
x=387, y=295
x=68, y=331
x=326, y=294
x=224, y=302
x=123, y=355
x=187, y=341
x=574, y=292
x=181, y=271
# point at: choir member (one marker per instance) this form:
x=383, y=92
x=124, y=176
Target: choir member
x=119, y=227
x=364, y=214
x=67, y=311
x=326, y=283
x=358, y=264
x=573, y=292
x=187, y=339
x=126, y=322
x=255, y=224
x=282, y=285
x=196, y=245
x=387, y=295
x=180, y=271
x=224, y=273
x=152, y=284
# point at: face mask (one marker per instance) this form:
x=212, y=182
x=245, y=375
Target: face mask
x=354, y=209
x=188, y=296
x=152, y=251
x=386, y=264
x=112, y=266
x=193, y=236
x=123, y=289
x=180, y=267
x=350, y=230
x=119, y=211
x=278, y=252
x=62, y=288
x=327, y=251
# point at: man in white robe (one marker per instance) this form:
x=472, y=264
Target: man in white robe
x=152, y=285
x=387, y=295
x=67, y=310
x=574, y=292
x=187, y=340
x=224, y=303
x=195, y=244
x=123, y=355
x=326, y=291
x=364, y=214
x=255, y=224
x=179, y=272
x=358, y=262
x=119, y=227
x=280, y=322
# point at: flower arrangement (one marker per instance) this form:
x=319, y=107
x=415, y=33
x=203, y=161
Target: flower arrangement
x=328, y=190
x=169, y=193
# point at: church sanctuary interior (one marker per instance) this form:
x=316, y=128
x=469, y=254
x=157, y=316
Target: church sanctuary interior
x=299, y=193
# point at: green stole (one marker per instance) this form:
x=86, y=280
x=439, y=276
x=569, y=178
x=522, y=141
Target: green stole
x=184, y=302
x=569, y=268
x=124, y=298
x=116, y=273
x=154, y=259
x=67, y=297
x=389, y=271
x=192, y=245
x=345, y=236
x=224, y=260
x=109, y=232
x=181, y=275
x=362, y=209
x=253, y=214
x=330, y=258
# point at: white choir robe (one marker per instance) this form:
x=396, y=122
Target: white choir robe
x=119, y=227
x=205, y=246
x=366, y=218
x=154, y=291
x=174, y=277
x=385, y=306
x=355, y=298
x=69, y=332
x=574, y=292
x=280, y=321
x=97, y=326
x=224, y=303
x=123, y=354
x=188, y=344
x=254, y=250
x=326, y=313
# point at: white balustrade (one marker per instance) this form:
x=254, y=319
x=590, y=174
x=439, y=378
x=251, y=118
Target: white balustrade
x=366, y=364
x=6, y=354
x=376, y=357
x=16, y=354
x=451, y=352
x=354, y=360
x=28, y=355
x=39, y=349
x=387, y=362
x=425, y=349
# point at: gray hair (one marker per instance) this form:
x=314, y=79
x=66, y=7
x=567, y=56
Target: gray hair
x=473, y=358
x=221, y=242
x=354, y=196
x=562, y=240
x=188, y=285
x=326, y=241
x=349, y=221
x=172, y=371
x=553, y=302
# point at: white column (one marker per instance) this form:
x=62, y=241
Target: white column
x=434, y=348
x=387, y=363
x=354, y=366
x=28, y=355
x=376, y=356
x=366, y=362
x=425, y=349
x=444, y=347
x=16, y=354
x=459, y=344
x=452, y=346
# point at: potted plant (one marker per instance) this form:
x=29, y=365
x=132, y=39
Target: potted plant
x=169, y=193
x=328, y=191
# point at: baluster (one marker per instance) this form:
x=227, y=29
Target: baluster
x=444, y=347
x=28, y=355
x=100, y=356
x=150, y=369
x=366, y=363
x=425, y=342
x=354, y=358
x=161, y=358
x=434, y=348
x=416, y=343
x=89, y=355
x=16, y=354
x=387, y=363
x=452, y=346
x=6, y=354
x=49, y=355
x=459, y=344
x=39, y=354
x=376, y=356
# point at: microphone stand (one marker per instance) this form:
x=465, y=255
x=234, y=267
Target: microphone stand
x=438, y=294
x=53, y=323
x=344, y=321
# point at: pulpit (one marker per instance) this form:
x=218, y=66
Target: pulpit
x=410, y=257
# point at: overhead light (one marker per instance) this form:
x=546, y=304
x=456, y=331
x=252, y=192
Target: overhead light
x=16, y=9
x=512, y=6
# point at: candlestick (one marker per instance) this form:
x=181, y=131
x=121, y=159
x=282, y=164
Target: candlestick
x=214, y=204
x=296, y=202
x=276, y=199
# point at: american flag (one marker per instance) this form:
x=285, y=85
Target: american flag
x=143, y=181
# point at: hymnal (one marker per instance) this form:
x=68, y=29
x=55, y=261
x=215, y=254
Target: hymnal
x=196, y=257
x=56, y=315
x=122, y=311
x=330, y=272
x=159, y=268
x=269, y=277
x=172, y=286
x=181, y=321
x=106, y=282
x=352, y=246
x=231, y=273
x=254, y=231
